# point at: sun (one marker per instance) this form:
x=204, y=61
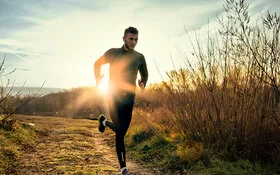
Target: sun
x=103, y=86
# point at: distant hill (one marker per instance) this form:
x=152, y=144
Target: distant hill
x=24, y=91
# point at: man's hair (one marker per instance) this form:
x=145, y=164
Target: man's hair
x=132, y=30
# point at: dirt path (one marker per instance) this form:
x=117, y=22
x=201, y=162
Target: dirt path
x=71, y=146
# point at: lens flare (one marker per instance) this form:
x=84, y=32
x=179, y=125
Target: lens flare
x=103, y=87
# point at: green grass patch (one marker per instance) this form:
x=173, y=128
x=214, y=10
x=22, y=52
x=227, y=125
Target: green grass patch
x=15, y=138
x=239, y=167
x=155, y=151
x=138, y=135
x=168, y=156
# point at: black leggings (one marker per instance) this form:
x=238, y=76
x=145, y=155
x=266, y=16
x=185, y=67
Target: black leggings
x=121, y=107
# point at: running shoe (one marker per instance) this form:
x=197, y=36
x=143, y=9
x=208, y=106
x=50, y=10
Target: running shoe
x=124, y=171
x=101, y=127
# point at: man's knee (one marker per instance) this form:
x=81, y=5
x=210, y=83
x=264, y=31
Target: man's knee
x=120, y=134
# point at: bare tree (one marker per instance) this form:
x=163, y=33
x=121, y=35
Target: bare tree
x=255, y=47
x=11, y=102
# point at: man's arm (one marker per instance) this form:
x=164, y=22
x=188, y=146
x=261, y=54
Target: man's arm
x=144, y=73
x=102, y=60
x=97, y=67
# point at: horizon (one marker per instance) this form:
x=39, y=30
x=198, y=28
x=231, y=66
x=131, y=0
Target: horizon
x=23, y=91
x=56, y=43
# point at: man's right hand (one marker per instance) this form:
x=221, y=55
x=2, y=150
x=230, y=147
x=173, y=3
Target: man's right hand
x=98, y=80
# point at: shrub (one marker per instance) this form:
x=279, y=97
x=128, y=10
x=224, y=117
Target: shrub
x=229, y=100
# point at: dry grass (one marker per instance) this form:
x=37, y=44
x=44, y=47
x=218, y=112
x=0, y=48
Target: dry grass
x=228, y=99
x=67, y=146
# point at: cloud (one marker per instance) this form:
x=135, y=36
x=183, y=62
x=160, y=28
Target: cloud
x=20, y=15
x=20, y=54
x=52, y=39
x=23, y=69
x=72, y=35
x=261, y=6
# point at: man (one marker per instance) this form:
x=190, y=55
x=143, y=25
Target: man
x=125, y=63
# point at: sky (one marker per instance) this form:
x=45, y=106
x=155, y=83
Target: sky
x=55, y=43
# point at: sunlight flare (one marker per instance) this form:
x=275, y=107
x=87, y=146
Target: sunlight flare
x=103, y=86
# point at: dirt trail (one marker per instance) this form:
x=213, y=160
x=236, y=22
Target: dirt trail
x=71, y=146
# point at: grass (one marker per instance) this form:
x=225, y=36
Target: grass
x=222, y=106
x=239, y=167
x=159, y=154
x=66, y=146
x=15, y=139
x=59, y=146
x=154, y=151
x=171, y=153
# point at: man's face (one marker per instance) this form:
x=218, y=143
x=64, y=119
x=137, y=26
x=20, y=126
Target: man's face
x=130, y=41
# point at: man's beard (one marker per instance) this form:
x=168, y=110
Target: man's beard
x=128, y=47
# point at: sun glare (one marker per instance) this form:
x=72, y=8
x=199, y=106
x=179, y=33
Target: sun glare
x=103, y=87
x=104, y=84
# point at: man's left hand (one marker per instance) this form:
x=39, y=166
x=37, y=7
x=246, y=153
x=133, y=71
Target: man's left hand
x=141, y=84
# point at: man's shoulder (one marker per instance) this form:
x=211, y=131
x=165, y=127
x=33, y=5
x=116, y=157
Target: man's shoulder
x=114, y=49
x=138, y=54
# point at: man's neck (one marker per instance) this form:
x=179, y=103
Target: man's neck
x=126, y=48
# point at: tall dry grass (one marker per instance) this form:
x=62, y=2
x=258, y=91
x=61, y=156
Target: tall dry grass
x=229, y=99
x=235, y=117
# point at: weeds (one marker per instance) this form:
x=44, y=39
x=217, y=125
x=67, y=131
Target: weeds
x=231, y=99
x=14, y=140
x=225, y=106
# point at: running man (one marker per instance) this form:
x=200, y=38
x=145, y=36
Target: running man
x=125, y=63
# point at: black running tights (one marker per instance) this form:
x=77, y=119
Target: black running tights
x=120, y=112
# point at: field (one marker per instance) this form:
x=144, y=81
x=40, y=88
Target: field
x=55, y=145
x=217, y=114
x=69, y=146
